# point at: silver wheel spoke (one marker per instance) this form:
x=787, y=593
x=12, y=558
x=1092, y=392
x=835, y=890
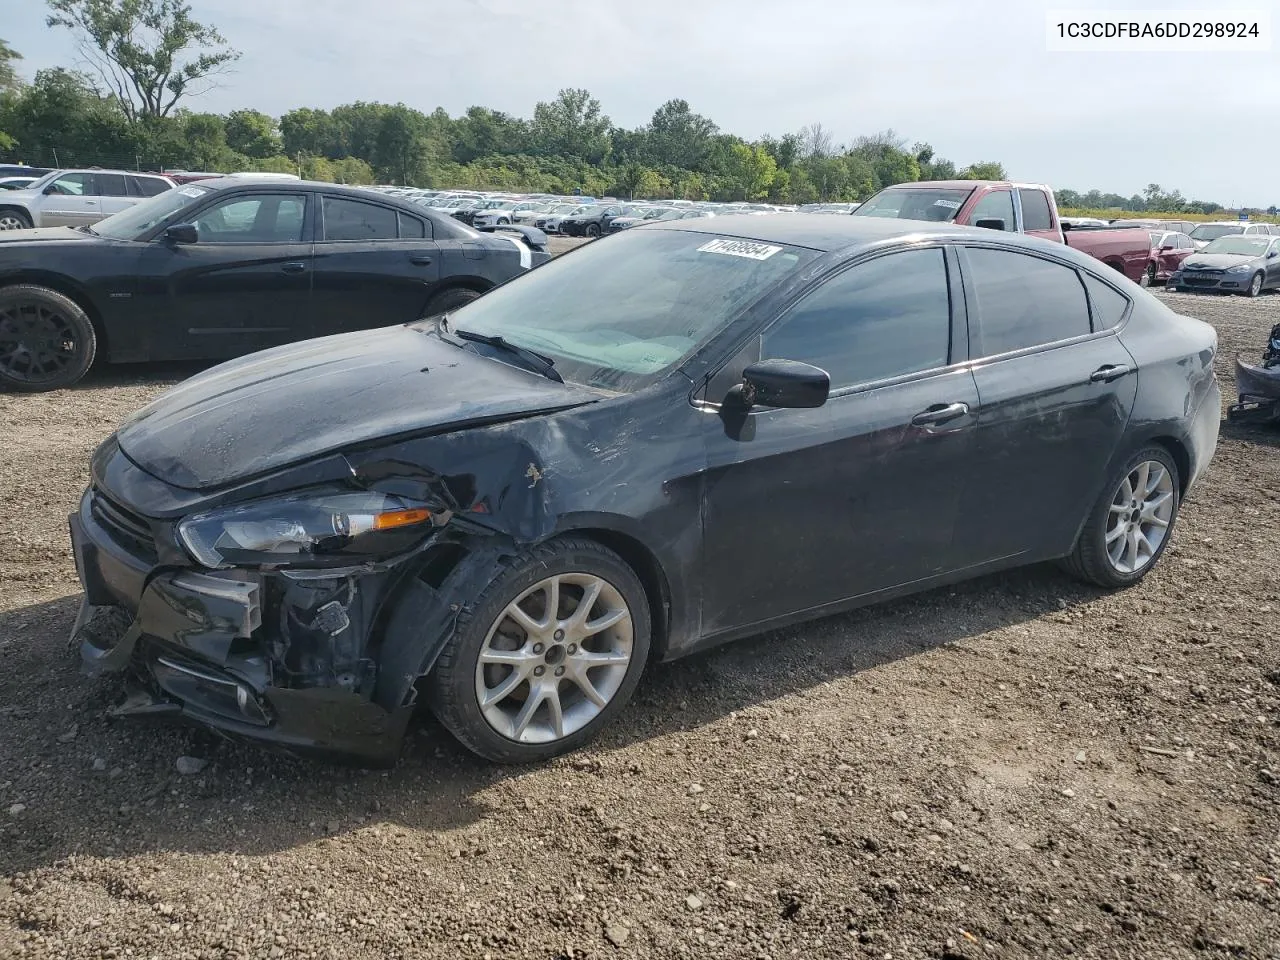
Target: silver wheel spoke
x=589, y=598
x=1117, y=533
x=510, y=658
x=522, y=619
x=521, y=723
x=589, y=690
x=1159, y=522
x=1140, y=485
x=587, y=659
x=552, y=613
x=504, y=689
x=556, y=709
x=608, y=620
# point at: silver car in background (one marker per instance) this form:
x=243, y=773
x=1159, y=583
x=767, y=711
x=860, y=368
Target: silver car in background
x=77, y=198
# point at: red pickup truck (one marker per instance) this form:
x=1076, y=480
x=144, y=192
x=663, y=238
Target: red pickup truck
x=1020, y=207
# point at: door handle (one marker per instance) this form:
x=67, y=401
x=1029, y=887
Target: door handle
x=939, y=413
x=421, y=260
x=91, y=203
x=1106, y=374
x=296, y=266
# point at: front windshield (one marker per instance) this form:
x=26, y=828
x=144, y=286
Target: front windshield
x=46, y=179
x=1214, y=231
x=621, y=313
x=132, y=223
x=939, y=204
x=1239, y=246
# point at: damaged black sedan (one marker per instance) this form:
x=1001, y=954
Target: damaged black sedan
x=694, y=432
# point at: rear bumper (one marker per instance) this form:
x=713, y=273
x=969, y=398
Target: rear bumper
x=195, y=646
x=1204, y=427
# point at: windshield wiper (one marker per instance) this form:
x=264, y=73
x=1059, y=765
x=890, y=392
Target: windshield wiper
x=540, y=364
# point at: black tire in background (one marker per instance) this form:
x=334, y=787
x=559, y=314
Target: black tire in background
x=47, y=341
x=451, y=688
x=1090, y=560
x=447, y=300
x=593, y=230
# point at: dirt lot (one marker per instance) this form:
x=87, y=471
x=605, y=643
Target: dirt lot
x=1017, y=767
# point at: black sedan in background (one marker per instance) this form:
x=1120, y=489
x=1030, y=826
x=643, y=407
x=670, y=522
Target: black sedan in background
x=699, y=430
x=1232, y=264
x=591, y=221
x=223, y=267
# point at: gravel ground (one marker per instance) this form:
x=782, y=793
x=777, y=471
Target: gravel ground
x=1020, y=766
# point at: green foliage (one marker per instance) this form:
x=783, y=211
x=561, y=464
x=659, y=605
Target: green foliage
x=572, y=126
x=149, y=53
x=988, y=170
x=253, y=134
x=9, y=79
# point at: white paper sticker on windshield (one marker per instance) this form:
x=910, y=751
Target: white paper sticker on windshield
x=949, y=204
x=740, y=248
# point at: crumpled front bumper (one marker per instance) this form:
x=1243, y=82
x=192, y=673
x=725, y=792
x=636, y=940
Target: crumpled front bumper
x=196, y=647
x=1258, y=389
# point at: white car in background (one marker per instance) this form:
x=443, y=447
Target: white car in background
x=77, y=198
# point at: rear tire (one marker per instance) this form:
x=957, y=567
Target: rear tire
x=493, y=666
x=13, y=219
x=47, y=341
x=447, y=300
x=1105, y=532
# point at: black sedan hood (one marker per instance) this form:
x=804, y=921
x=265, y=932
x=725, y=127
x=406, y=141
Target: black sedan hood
x=41, y=234
x=282, y=406
x=1214, y=261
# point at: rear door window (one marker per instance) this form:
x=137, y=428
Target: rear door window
x=411, y=228
x=353, y=220
x=1108, y=303
x=1035, y=210
x=111, y=185
x=1024, y=301
x=150, y=186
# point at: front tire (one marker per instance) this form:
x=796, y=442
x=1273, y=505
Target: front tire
x=593, y=230
x=1148, y=278
x=14, y=220
x=1255, y=286
x=1131, y=524
x=529, y=674
x=47, y=341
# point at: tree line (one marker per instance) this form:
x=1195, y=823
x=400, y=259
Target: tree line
x=149, y=59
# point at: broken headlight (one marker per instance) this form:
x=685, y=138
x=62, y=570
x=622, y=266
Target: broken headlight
x=316, y=529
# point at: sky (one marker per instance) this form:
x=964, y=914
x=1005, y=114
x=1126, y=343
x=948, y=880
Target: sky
x=974, y=78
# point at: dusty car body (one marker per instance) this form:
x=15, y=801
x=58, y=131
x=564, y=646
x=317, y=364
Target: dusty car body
x=1247, y=264
x=530, y=447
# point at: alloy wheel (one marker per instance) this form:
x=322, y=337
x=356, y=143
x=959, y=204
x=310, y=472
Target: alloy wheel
x=1148, y=277
x=1139, y=518
x=554, y=658
x=10, y=221
x=1255, y=286
x=37, y=342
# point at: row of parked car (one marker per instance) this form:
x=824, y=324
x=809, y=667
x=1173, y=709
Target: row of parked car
x=1226, y=256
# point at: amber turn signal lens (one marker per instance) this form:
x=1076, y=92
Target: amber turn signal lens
x=400, y=518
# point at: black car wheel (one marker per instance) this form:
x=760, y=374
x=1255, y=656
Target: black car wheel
x=46, y=340
x=1148, y=278
x=447, y=300
x=546, y=655
x=1255, y=285
x=593, y=230
x=11, y=219
x=1130, y=525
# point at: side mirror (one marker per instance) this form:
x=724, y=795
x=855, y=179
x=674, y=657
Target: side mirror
x=990, y=223
x=182, y=233
x=50, y=190
x=1273, y=253
x=781, y=383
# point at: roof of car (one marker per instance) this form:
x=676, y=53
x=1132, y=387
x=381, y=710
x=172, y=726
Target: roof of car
x=821, y=233
x=966, y=184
